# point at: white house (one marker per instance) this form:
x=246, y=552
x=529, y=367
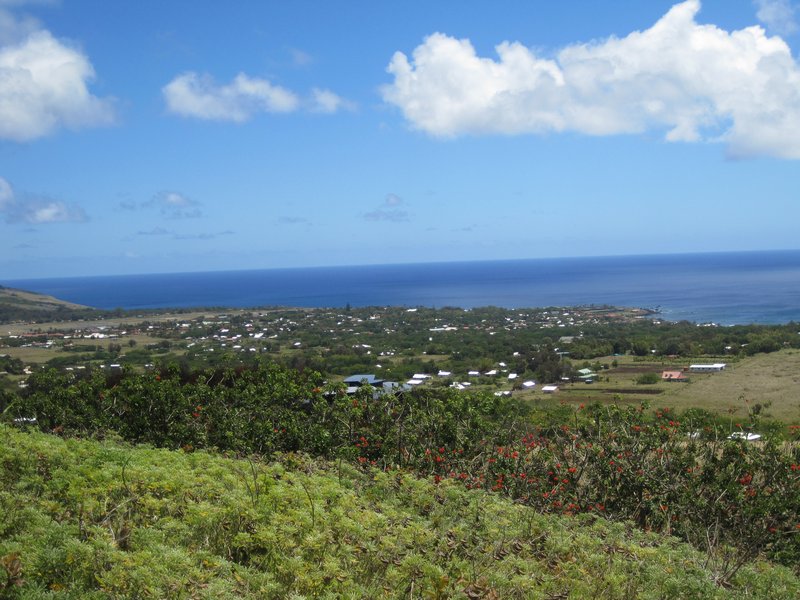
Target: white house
x=707, y=368
x=742, y=435
x=549, y=389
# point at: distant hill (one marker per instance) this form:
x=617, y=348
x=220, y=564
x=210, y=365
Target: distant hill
x=21, y=305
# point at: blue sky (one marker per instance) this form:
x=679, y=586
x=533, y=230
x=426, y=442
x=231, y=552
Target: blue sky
x=145, y=137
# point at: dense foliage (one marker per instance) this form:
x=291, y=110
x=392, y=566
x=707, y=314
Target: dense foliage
x=84, y=520
x=668, y=473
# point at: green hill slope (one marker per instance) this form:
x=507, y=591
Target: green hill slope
x=19, y=305
x=82, y=519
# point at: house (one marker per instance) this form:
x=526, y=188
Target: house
x=361, y=379
x=742, y=435
x=716, y=367
x=674, y=376
x=549, y=389
x=356, y=381
x=529, y=385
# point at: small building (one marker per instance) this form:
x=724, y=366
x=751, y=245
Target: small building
x=529, y=385
x=550, y=389
x=714, y=368
x=356, y=381
x=744, y=435
x=674, y=376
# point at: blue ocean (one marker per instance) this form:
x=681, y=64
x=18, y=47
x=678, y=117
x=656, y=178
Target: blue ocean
x=723, y=288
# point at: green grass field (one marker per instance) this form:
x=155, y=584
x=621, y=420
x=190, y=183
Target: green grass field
x=771, y=380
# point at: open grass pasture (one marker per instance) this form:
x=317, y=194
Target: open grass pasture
x=771, y=380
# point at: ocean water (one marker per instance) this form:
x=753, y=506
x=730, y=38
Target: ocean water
x=724, y=288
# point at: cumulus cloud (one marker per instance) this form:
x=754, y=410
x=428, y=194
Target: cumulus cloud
x=174, y=205
x=300, y=58
x=36, y=210
x=393, y=200
x=195, y=95
x=44, y=83
x=389, y=211
x=693, y=82
x=327, y=102
x=6, y=193
x=777, y=15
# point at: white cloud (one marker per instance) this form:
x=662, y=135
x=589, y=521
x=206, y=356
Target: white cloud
x=44, y=83
x=389, y=211
x=393, y=200
x=6, y=193
x=777, y=15
x=36, y=210
x=300, y=58
x=174, y=205
x=325, y=101
x=694, y=82
x=193, y=95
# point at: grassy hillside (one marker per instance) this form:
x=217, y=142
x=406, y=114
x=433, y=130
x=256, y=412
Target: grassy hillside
x=19, y=305
x=82, y=519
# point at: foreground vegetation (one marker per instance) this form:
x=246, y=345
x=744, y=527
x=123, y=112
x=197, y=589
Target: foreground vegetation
x=670, y=473
x=85, y=519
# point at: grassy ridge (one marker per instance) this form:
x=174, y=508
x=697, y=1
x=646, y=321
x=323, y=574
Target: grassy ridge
x=19, y=305
x=82, y=519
